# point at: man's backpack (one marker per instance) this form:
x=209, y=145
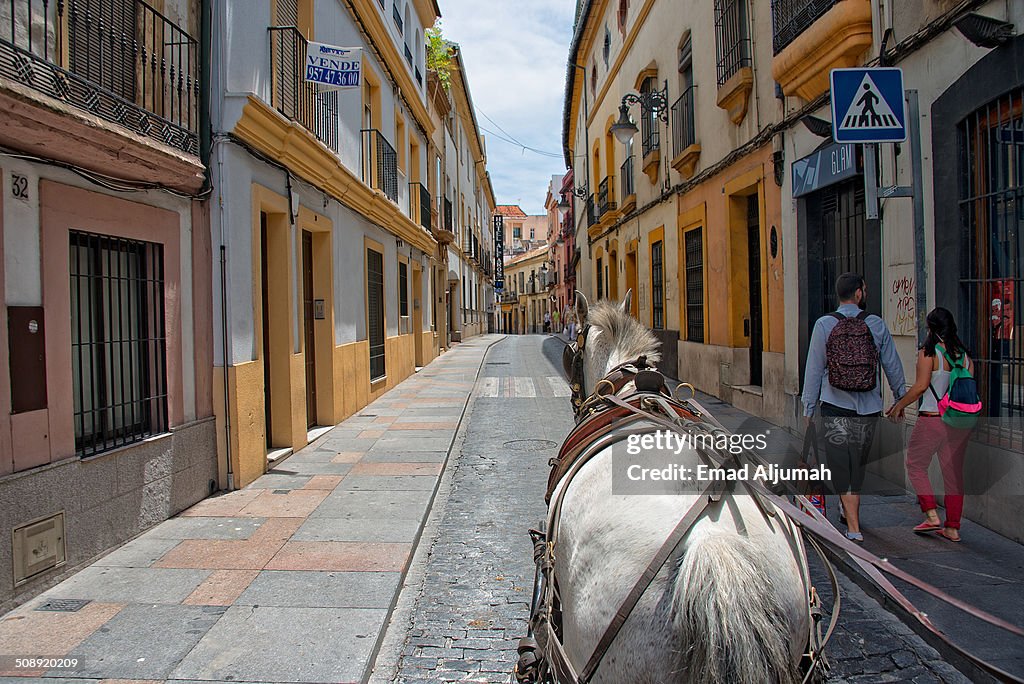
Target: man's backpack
x=851, y=356
x=960, y=406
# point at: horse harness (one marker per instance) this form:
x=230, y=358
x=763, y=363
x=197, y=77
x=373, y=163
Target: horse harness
x=602, y=420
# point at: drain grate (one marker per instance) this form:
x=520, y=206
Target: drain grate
x=64, y=605
x=529, y=444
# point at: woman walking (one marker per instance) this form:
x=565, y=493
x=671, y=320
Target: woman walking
x=941, y=351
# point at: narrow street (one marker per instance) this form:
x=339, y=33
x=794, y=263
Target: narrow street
x=299, y=577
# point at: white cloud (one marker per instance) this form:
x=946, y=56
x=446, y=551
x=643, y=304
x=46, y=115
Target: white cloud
x=515, y=55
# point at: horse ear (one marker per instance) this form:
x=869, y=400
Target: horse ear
x=628, y=301
x=582, y=309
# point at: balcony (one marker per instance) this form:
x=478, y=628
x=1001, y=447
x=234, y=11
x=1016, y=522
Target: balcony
x=628, y=191
x=735, y=71
x=133, y=67
x=419, y=204
x=684, y=133
x=812, y=37
x=606, y=199
x=293, y=96
x=380, y=163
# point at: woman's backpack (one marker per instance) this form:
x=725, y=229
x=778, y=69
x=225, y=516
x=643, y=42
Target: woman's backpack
x=960, y=406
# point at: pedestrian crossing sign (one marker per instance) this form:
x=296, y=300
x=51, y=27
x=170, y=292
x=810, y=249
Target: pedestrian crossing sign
x=868, y=105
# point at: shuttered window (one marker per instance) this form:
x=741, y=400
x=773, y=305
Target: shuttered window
x=694, y=245
x=657, y=286
x=102, y=39
x=375, y=312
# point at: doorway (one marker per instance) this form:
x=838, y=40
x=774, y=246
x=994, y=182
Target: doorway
x=634, y=303
x=265, y=298
x=754, y=287
x=417, y=312
x=309, y=334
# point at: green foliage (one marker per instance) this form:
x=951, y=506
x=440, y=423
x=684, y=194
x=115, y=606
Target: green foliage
x=439, y=55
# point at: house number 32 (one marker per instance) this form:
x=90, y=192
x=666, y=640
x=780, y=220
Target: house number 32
x=19, y=187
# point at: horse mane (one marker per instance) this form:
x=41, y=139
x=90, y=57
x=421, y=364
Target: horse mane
x=628, y=337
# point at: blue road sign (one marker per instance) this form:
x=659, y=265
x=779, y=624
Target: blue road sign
x=868, y=105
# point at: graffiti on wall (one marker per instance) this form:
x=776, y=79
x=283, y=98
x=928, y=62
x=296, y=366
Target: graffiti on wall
x=901, y=312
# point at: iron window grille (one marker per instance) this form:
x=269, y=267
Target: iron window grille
x=120, y=60
x=657, y=286
x=296, y=98
x=694, y=248
x=380, y=163
x=790, y=18
x=732, y=38
x=592, y=215
x=991, y=142
x=684, y=130
x=118, y=344
x=375, y=312
x=448, y=220
x=600, y=278
x=419, y=197
x=606, y=196
x=626, y=176
x=403, y=289
x=650, y=133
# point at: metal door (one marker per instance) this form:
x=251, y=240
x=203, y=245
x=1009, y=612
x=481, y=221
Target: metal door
x=307, y=326
x=754, y=281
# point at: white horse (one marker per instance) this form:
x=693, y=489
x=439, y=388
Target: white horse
x=732, y=608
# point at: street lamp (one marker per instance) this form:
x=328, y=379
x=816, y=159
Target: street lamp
x=654, y=102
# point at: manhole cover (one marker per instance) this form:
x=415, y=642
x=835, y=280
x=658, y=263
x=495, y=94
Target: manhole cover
x=64, y=605
x=530, y=444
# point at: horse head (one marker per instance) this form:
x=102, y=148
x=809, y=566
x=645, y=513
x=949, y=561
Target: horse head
x=610, y=336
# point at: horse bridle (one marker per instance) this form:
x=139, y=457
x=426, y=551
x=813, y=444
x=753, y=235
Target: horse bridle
x=572, y=363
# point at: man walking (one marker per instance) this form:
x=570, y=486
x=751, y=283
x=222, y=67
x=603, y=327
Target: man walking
x=842, y=368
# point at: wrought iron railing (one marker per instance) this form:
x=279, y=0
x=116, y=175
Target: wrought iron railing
x=380, y=163
x=626, y=178
x=592, y=215
x=120, y=60
x=790, y=18
x=732, y=38
x=684, y=133
x=296, y=98
x=419, y=204
x=448, y=220
x=606, y=196
x=397, y=14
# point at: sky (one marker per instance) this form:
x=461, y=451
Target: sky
x=515, y=55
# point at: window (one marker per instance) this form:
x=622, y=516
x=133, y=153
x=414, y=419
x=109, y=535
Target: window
x=593, y=79
x=657, y=286
x=992, y=262
x=650, y=135
x=694, y=245
x=732, y=38
x=623, y=15
x=517, y=231
x=375, y=312
x=682, y=115
x=118, y=348
x=600, y=279
x=397, y=14
x=607, y=46
x=532, y=233
x=403, y=289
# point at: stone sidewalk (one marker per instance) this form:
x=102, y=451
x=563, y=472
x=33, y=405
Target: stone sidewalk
x=291, y=579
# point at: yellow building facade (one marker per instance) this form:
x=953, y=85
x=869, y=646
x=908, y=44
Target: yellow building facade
x=686, y=212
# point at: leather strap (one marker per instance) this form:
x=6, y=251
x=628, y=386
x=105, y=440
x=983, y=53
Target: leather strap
x=666, y=551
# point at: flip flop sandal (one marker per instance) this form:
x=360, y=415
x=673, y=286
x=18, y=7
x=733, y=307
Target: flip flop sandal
x=926, y=527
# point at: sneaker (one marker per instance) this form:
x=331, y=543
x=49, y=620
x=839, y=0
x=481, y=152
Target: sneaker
x=855, y=537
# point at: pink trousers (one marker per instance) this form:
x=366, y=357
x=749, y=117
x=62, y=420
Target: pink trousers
x=931, y=436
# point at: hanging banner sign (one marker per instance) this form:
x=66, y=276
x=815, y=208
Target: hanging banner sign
x=499, y=252
x=334, y=68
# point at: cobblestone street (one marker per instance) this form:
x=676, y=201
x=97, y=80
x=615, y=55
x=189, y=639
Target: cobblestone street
x=466, y=599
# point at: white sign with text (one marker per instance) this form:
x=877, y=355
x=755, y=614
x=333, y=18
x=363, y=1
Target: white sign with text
x=334, y=68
